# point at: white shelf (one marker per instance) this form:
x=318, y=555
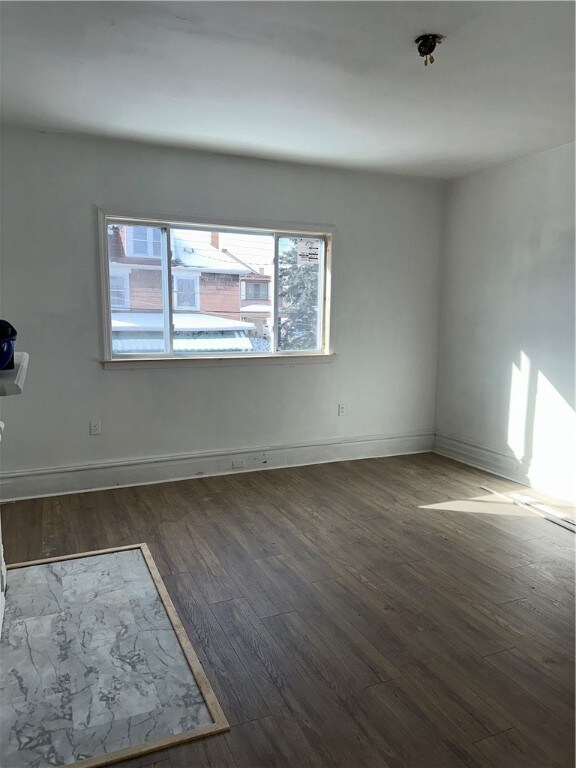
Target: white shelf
x=12, y=382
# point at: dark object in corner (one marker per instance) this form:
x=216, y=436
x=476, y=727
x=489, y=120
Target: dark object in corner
x=427, y=45
x=7, y=338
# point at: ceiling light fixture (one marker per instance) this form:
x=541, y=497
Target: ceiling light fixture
x=426, y=46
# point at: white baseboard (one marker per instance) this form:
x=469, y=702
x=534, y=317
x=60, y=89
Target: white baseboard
x=503, y=464
x=557, y=481
x=53, y=481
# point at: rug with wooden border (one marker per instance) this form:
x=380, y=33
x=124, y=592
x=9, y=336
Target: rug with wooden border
x=96, y=666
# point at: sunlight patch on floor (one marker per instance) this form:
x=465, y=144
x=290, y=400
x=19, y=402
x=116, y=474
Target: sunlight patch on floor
x=481, y=505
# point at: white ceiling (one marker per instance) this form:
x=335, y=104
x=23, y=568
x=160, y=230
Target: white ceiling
x=332, y=83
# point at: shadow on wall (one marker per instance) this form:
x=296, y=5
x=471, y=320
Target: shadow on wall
x=541, y=431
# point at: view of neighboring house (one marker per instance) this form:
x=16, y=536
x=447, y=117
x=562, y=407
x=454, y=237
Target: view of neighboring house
x=256, y=301
x=257, y=253
x=208, y=292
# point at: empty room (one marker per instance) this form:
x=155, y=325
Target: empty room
x=287, y=384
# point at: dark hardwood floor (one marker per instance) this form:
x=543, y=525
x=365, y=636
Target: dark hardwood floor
x=344, y=623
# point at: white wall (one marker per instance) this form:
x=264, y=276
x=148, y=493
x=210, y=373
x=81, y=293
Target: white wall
x=384, y=329
x=506, y=396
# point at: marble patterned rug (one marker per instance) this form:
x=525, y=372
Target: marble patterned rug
x=90, y=664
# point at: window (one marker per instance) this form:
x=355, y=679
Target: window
x=181, y=290
x=119, y=291
x=256, y=290
x=186, y=290
x=144, y=242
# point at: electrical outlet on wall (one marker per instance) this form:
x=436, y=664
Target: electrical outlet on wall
x=95, y=427
x=341, y=409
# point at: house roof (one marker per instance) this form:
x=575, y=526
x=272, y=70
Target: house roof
x=257, y=277
x=254, y=308
x=254, y=273
x=189, y=251
x=185, y=321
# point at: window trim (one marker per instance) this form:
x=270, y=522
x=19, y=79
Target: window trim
x=276, y=229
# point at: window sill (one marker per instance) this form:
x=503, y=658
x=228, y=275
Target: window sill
x=204, y=362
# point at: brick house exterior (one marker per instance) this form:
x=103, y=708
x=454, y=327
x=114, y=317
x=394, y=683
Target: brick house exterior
x=145, y=287
x=220, y=294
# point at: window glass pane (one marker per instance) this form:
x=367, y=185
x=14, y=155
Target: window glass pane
x=186, y=292
x=119, y=291
x=139, y=313
x=300, y=291
x=256, y=290
x=143, y=241
x=226, y=319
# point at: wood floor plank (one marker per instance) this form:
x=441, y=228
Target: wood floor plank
x=511, y=749
x=113, y=518
x=271, y=742
x=209, y=573
x=58, y=529
x=560, y=631
x=255, y=648
x=465, y=622
x=557, y=695
x=467, y=565
x=556, y=576
x=213, y=752
x=419, y=741
x=22, y=530
x=433, y=647
x=384, y=630
x=282, y=681
x=167, y=557
x=550, y=658
x=366, y=593
x=263, y=596
x=294, y=636
x=452, y=584
x=232, y=682
x=558, y=543
x=292, y=633
x=468, y=713
x=88, y=534
x=368, y=663
x=549, y=732
x=140, y=507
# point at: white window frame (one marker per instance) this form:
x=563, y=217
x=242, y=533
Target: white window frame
x=168, y=222
x=193, y=278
